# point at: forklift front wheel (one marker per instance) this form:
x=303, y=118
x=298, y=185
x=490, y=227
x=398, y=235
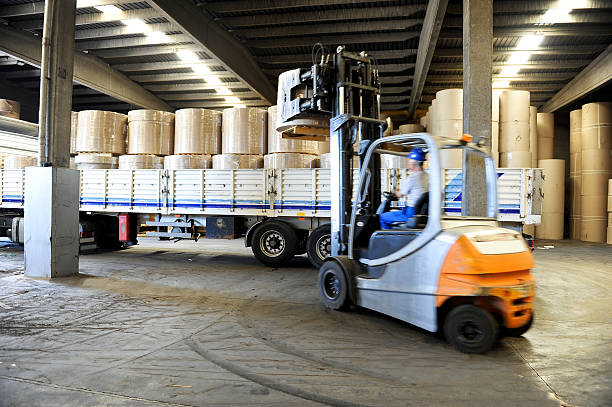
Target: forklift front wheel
x=470, y=329
x=333, y=286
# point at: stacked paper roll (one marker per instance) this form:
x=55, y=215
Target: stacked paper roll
x=325, y=161
x=91, y=161
x=237, y=161
x=278, y=144
x=150, y=132
x=290, y=160
x=410, y=128
x=553, y=190
x=244, y=131
x=546, y=132
x=197, y=131
x=393, y=161
x=74, y=122
x=10, y=108
x=433, y=120
x=533, y=135
x=449, y=114
x=451, y=158
x=99, y=131
x=575, y=184
x=596, y=145
x=15, y=162
x=495, y=94
x=141, y=162
x=514, y=129
x=187, y=161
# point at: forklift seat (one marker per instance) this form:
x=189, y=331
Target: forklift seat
x=419, y=221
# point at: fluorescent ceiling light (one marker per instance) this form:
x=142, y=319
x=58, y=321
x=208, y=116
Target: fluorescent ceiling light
x=232, y=99
x=501, y=84
x=518, y=58
x=110, y=10
x=556, y=15
x=531, y=41
x=223, y=91
x=136, y=25
x=510, y=71
x=201, y=69
x=187, y=56
x=157, y=37
x=212, y=80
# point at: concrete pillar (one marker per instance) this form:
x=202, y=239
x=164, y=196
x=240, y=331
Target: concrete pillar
x=51, y=208
x=477, y=64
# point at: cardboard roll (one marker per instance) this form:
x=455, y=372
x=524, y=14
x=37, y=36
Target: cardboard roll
x=290, y=160
x=596, y=159
x=545, y=125
x=575, y=164
x=609, y=235
x=237, y=161
x=244, y=131
x=450, y=104
x=278, y=144
x=74, y=122
x=515, y=159
x=150, y=132
x=595, y=182
x=596, y=114
x=99, y=131
x=545, y=148
x=451, y=158
x=533, y=135
x=15, y=162
x=186, y=162
x=410, y=128
x=10, y=108
x=496, y=93
x=91, y=161
x=551, y=226
x=514, y=106
x=574, y=227
x=594, y=205
x=514, y=136
x=452, y=129
x=553, y=186
x=596, y=137
x=325, y=161
x=393, y=161
x=197, y=131
x=575, y=130
x=495, y=142
x=433, y=119
x=141, y=162
x=593, y=229
x=575, y=195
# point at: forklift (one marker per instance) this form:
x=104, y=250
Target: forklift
x=463, y=276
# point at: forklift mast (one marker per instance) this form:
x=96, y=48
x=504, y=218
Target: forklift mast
x=346, y=88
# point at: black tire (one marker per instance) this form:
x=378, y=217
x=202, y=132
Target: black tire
x=318, y=246
x=333, y=286
x=516, y=332
x=274, y=243
x=470, y=329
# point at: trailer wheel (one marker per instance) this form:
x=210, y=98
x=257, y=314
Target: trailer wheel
x=470, y=329
x=516, y=332
x=274, y=243
x=318, y=246
x=333, y=286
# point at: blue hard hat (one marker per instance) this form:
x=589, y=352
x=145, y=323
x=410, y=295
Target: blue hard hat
x=417, y=154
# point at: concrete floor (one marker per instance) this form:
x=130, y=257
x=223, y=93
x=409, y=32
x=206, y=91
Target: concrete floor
x=205, y=324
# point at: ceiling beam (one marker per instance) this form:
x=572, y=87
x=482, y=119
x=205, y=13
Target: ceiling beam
x=436, y=9
x=521, y=77
x=171, y=97
x=245, y=6
x=161, y=66
x=595, y=75
x=562, y=64
x=516, y=20
x=93, y=18
x=528, y=6
x=557, y=30
x=546, y=50
x=144, y=51
x=131, y=42
x=219, y=104
x=221, y=44
x=88, y=70
x=307, y=58
x=87, y=34
x=38, y=7
x=177, y=77
x=193, y=87
x=334, y=39
x=388, y=68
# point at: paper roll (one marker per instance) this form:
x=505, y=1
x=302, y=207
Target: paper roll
x=495, y=104
x=393, y=161
x=290, y=160
x=10, y=108
x=197, y=131
x=595, y=182
x=141, y=162
x=575, y=131
x=553, y=186
x=237, y=161
x=74, y=122
x=594, y=114
x=551, y=226
x=515, y=159
x=244, y=131
x=533, y=135
x=325, y=161
x=14, y=162
x=278, y=144
x=450, y=104
x=596, y=159
x=596, y=137
x=514, y=136
x=452, y=129
x=410, y=128
x=99, y=131
x=514, y=106
x=434, y=118
x=91, y=161
x=593, y=229
x=495, y=142
x=451, y=158
x=150, y=132
x=183, y=162
x=574, y=227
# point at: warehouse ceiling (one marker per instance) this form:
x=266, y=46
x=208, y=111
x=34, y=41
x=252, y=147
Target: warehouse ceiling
x=222, y=53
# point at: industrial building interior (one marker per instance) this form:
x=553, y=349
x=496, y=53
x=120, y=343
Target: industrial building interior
x=179, y=225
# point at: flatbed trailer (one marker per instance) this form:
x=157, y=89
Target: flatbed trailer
x=280, y=212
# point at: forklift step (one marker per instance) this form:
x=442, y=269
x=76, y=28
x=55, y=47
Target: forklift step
x=171, y=235
x=170, y=224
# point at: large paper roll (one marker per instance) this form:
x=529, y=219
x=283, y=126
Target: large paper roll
x=533, y=135
x=450, y=104
x=434, y=118
x=197, y=131
x=237, y=161
x=74, y=123
x=495, y=104
x=514, y=106
x=244, y=131
x=10, y=108
x=325, y=161
x=514, y=136
x=452, y=129
x=99, y=131
x=593, y=229
x=546, y=132
x=410, y=128
x=515, y=159
x=451, y=158
x=594, y=114
x=596, y=159
x=596, y=137
x=14, y=162
x=141, y=162
x=278, y=144
x=553, y=189
x=150, y=132
x=290, y=160
x=92, y=161
x=495, y=142
x=186, y=162
x=575, y=131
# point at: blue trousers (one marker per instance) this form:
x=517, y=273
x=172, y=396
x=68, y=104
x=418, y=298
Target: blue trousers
x=387, y=218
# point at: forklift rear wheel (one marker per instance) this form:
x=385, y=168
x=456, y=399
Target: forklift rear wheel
x=470, y=329
x=516, y=332
x=274, y=243
x=333, y=286
x=318, y=246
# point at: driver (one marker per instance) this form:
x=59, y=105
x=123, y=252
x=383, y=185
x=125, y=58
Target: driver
x=412, y=188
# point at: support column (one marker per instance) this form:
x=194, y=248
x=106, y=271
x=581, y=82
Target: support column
x=52, y=190
x=477, y=65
